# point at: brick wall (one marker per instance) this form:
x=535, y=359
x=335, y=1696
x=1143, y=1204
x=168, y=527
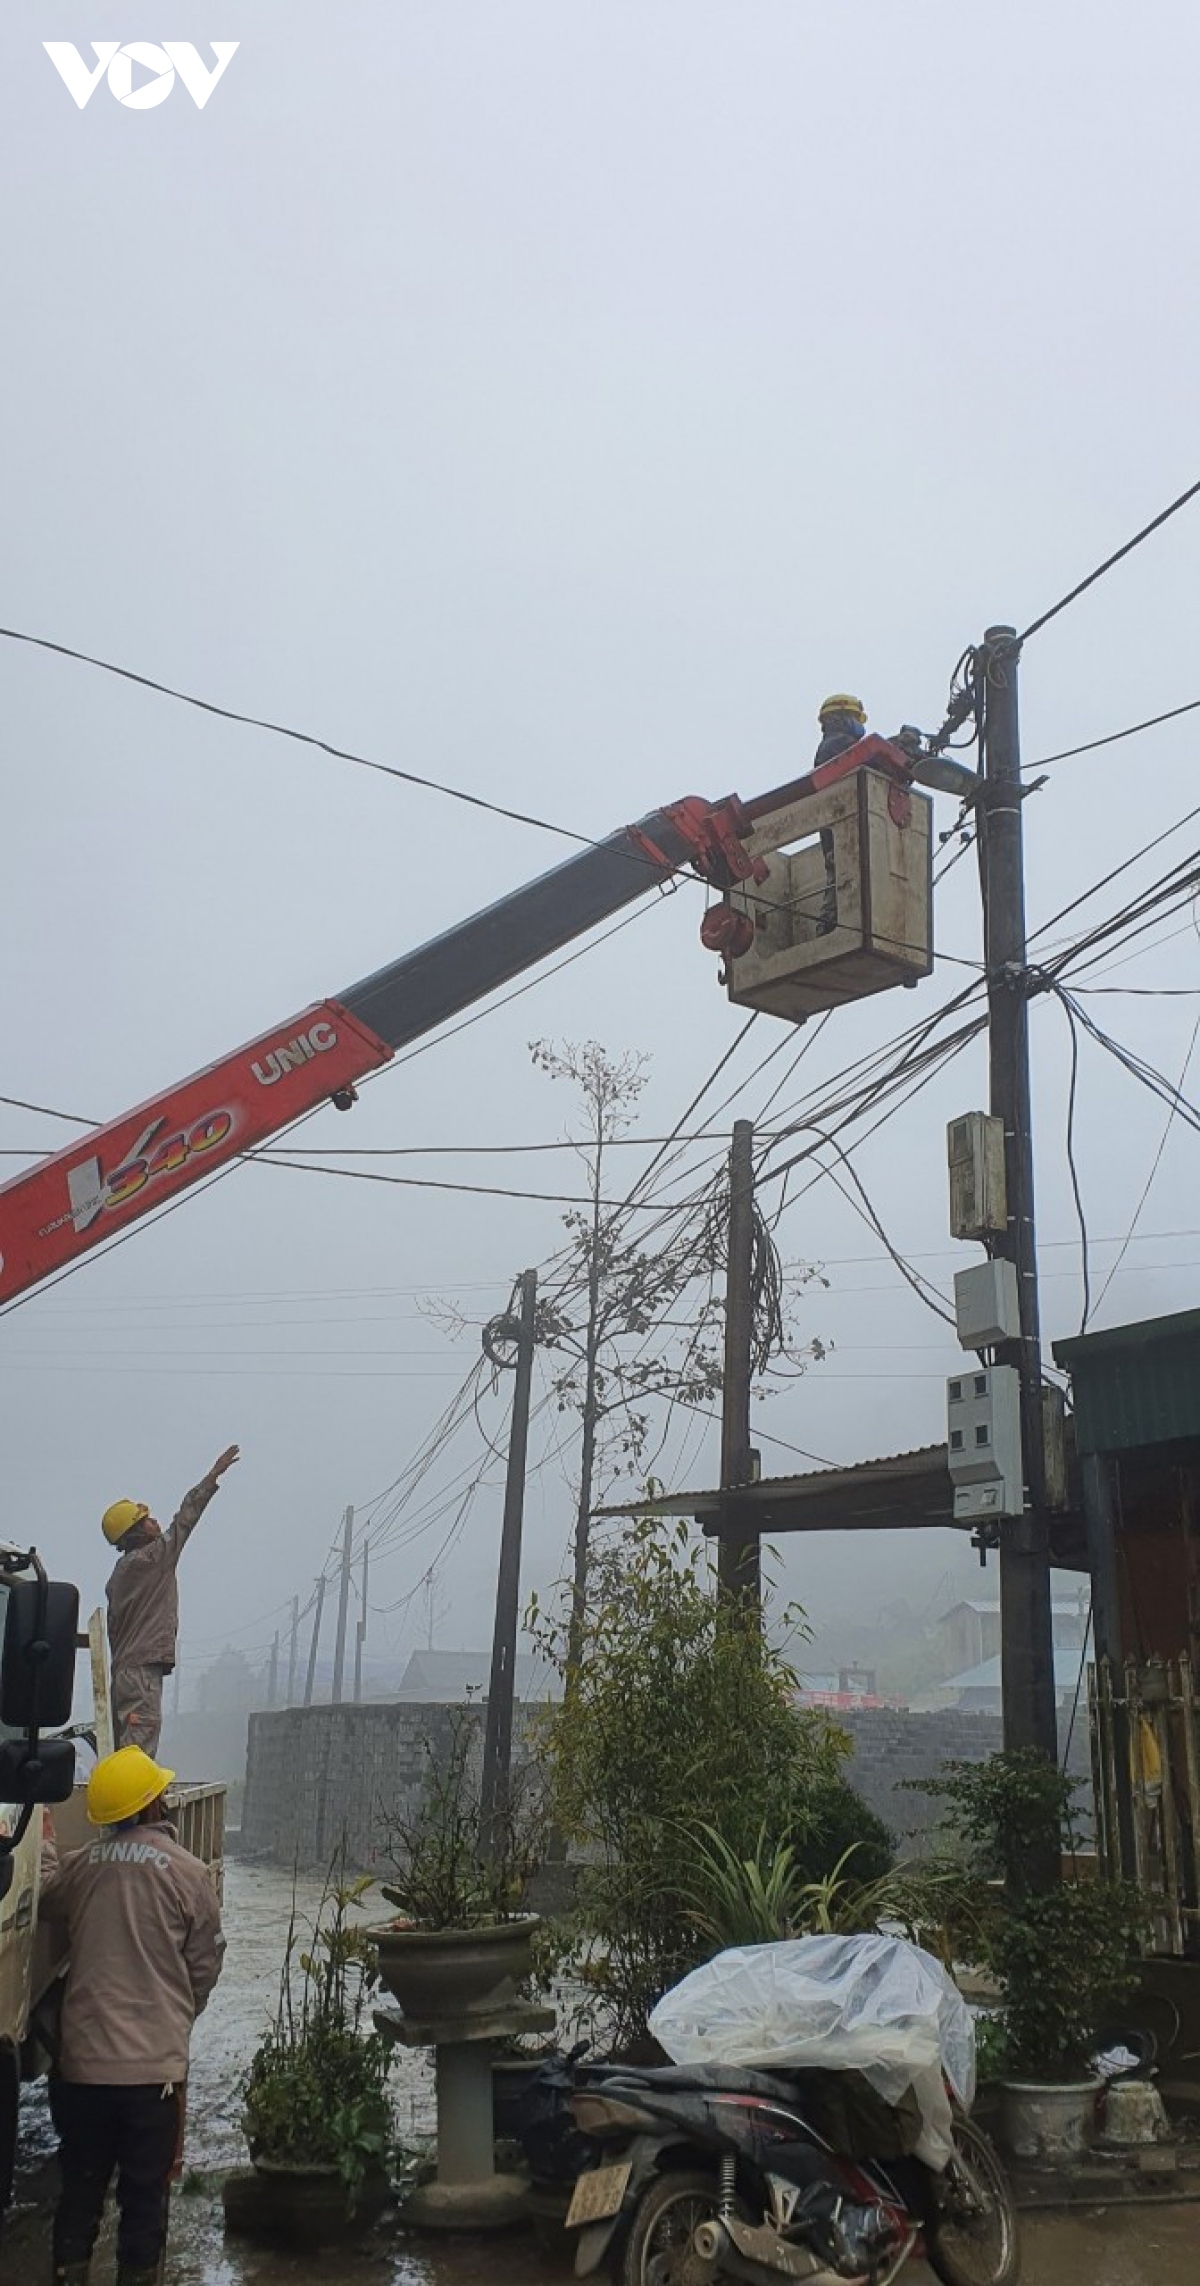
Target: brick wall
x=314, y=1773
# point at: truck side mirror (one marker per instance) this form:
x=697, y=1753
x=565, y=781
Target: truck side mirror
x=37, y=1667
x=47, y=1776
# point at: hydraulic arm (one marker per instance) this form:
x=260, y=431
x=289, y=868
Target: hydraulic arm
x=105, y=1179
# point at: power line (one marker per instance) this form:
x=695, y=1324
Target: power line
x=1081, y=588
x=1092, y=744
x=1154, y=1167
x=300, y=737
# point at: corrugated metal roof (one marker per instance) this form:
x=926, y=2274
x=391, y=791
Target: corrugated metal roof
x=896, y=1492
x=1135, y=1385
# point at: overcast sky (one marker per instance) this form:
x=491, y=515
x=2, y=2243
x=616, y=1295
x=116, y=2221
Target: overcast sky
x=556, y=399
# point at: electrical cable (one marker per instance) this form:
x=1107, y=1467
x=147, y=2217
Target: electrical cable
x=1114, y=736
x=300, y=737
x=1154, y=1167
x=1035, y=625
x=1085, y=1259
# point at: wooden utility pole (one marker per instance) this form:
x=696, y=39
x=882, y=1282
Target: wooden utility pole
x=292, y=1650
x=738, y=1554
x=273, y=1671
x=497, y=1743
x=360, y=1635
x=311, y=1676
x=339, y=1654
x=1026, y=1624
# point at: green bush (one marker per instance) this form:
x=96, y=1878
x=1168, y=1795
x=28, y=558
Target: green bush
x=1065, y=1952
x=677, y=1715
x=836, y=1819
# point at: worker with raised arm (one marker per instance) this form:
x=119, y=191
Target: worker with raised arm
x=143, y=1928
x=143, y=1604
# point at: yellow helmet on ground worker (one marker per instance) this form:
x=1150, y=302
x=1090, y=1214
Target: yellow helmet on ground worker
x=842, y=702
x=123, y=1784
x=121, y=1517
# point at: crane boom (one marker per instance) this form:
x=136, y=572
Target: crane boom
x=95, y=1187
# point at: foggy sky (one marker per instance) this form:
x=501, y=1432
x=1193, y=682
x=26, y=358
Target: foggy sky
x=556, y=399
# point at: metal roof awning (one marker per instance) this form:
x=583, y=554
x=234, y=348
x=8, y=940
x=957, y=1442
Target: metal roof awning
x=903, y=1492
x=1135, y=1386
x=906, y=1492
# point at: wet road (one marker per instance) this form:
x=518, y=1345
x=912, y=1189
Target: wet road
x=1152, y=2246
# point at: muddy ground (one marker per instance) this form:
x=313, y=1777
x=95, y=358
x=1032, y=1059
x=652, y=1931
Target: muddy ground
x=1153, y=2246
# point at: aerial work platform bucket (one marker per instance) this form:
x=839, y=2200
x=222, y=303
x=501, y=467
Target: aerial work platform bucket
x=847, y=913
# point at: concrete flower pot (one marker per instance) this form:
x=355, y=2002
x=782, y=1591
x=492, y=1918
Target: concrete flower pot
x=302, y=2207
x=438, y=1974
x=1049, y=2124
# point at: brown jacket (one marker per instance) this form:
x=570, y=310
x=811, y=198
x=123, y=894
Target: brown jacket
x=143, y=1595
x=144, y=1931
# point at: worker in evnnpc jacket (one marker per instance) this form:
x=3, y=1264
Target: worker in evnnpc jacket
x=843, y=720
x=143, y=1931
x=143, y=1604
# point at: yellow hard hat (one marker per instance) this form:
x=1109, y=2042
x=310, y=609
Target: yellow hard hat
x=842, y=702
x=123, y=1784
x=121, y=1518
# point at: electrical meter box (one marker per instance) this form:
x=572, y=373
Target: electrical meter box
x=978, y=1197
x=845, y=912
x=983, y=1442
x=987, y=1305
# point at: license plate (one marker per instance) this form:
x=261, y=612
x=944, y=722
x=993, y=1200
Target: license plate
x=599, y=2194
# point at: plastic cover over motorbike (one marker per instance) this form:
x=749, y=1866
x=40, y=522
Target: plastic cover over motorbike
x=875, y=2005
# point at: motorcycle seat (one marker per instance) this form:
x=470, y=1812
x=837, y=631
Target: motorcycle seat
x=715, y=2079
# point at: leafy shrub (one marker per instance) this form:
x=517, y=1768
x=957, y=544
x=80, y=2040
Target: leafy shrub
x=1065, y=1952
x=677, y=1713
x=837, y=1820
x=316, y=2092
x=765, y=1897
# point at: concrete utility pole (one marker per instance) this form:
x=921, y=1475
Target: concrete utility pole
x=1026, y=1624
x=292, y=1650
x=738, y=1554
x=311, y=1676
x=339, y=1655
x=273, y=1671
x=360, y=1633
x=497, y=1743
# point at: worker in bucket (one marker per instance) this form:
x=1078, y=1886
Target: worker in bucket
x=843, y=720
x=140, y=1918
x=143, y=1604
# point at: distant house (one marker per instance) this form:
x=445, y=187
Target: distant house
x=977, y=1689
x=447, y=1678
x=969, y=1633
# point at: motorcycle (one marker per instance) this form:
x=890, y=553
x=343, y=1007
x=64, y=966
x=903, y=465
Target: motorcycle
x=687, y=2176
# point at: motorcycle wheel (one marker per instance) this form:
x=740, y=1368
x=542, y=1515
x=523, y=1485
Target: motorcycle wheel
x=974, y=2240
x=657, y=2250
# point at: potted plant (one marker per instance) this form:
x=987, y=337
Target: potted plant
x=315, y=2109
x=1064, y=1951
x=460, y=1942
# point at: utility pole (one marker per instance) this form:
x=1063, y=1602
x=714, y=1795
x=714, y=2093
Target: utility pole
x=310, y=1678
x=292, y=1650
x=497, y=1742
x=273, y=1671
x=738, y=1552
x=360, y=1635
x=178, y=1673
x=339, y=1655
x=1026, y=1624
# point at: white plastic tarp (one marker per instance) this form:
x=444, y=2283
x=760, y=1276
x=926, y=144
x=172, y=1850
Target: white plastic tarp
x=875, y=2005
